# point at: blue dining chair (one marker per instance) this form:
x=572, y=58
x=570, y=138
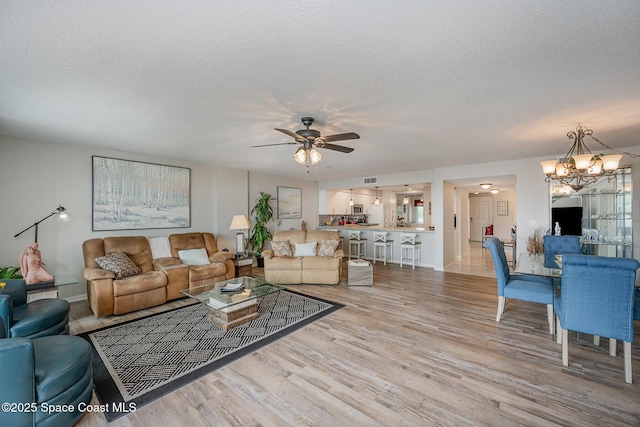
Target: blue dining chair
x=597, y=298
x=524, y=287
x=559, y=245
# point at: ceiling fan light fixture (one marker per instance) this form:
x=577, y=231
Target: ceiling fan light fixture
x=300, y=156
x=310, y=139
x=315, y=156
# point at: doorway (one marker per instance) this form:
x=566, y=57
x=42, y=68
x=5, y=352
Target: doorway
x=480, y=216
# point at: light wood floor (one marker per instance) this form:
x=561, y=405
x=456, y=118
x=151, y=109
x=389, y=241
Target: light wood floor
x=419, y=348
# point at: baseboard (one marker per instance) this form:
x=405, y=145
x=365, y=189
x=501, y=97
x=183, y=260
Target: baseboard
x=76, y=298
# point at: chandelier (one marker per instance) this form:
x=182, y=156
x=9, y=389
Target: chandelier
x=580, y=167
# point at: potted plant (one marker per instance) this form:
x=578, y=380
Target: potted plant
x=260, y=234
x=10, y=273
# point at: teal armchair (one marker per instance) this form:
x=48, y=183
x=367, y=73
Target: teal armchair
x=30, y=320
x=42, y=374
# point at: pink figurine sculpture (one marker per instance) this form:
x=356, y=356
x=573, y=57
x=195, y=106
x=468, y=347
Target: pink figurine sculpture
x=31, y=266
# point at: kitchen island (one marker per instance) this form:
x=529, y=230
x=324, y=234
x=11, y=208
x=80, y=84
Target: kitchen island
x=427, y=258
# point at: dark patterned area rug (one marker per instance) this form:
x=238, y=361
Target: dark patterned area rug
x=141, y=360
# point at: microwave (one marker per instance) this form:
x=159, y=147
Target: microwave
x=357, y=209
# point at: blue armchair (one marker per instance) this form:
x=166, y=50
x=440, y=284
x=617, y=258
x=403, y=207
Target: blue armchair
x=30, y=320
x=525, y=287
x=597, y=298
x=559, y=245
x=41, y=374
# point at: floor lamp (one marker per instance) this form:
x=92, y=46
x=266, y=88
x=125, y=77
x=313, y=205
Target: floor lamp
x=63, y=216
x=240, y=223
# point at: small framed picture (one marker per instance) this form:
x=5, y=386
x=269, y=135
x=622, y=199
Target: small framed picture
x=503, y=208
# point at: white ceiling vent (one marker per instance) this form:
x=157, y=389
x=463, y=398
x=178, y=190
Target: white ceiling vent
x=371, y=180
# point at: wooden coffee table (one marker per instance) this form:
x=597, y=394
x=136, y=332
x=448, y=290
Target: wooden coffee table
x=230, y=309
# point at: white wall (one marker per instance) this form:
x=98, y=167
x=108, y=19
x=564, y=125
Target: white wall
x=269, y=184
x=36, y=177
x=502, y=224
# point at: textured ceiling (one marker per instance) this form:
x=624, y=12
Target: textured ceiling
x=424, y=83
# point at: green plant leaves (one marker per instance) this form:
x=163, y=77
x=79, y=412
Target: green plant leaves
x=10, y=273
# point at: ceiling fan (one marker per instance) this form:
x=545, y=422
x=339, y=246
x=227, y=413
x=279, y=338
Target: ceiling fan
x=310, y=139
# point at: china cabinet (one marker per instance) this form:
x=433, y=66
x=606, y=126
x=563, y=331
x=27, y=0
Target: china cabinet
x=600, y=214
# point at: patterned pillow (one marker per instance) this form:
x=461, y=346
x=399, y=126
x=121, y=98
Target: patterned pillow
x=120, y=264
x=327, y=247
x=282, y=248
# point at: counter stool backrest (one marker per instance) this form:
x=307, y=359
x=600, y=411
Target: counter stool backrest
x=354, y=235
x=380, y=236
x=408, y=239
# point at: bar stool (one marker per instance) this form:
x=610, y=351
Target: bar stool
x=380, y=245
x=359, y=243
x=408, y=243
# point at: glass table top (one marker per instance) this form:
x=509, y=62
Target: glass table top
x=533, y=264
x=215, y=297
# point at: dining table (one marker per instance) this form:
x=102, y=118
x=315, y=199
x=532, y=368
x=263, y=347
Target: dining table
x=534, y=264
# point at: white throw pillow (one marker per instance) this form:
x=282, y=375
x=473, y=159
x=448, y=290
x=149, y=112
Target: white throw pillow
x=194, y=257
x=306, y=249
x=160, y=247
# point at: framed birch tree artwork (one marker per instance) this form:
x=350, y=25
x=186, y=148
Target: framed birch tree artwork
x=129, y=195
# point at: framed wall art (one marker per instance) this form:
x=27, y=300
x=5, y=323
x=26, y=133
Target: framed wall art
x=289, y=203
x=503, y=208
x=129, y=195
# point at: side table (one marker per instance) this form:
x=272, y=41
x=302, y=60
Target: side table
x=359, y=273
x=48, y=289
x=243, y=266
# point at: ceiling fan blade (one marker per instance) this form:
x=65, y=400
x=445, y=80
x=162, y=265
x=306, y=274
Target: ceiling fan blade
x=269, y=145
x=291, y=134
x=335, y=147
x=340, y=137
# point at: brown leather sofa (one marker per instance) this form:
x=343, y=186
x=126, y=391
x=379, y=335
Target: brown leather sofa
x=161, y=280
x=221, y=265
x=108, y=295
x=290, y=270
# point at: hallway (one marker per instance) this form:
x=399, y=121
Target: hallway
x=476, y=261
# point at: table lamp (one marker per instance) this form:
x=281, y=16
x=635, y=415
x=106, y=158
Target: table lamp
x=240, y=222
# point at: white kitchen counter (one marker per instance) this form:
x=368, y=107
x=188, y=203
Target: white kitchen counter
x=424, y=235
